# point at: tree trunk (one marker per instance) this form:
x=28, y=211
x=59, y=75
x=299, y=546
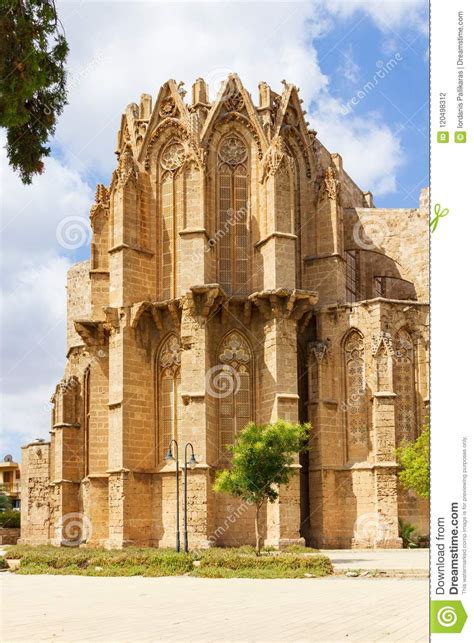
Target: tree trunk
x=258, y=540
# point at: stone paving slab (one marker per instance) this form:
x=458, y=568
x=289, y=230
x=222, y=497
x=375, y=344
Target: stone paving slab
x=123, y=610
x=384, y=559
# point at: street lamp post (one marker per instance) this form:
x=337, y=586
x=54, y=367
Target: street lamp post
x=169, y=457
x=192, y=463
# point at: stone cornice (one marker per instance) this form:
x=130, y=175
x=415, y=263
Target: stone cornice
x=92, y=333
x=126, y=246
x=273, y=235
x=283, y=303
x=156, y=310
x=203, y=299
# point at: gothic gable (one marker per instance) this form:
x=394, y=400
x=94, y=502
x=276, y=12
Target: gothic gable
x=234, y=103
x=290, y=123
x=169, y=112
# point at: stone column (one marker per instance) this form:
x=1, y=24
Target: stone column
x=35, y=494
x=279, y=398
x=195, y=426
x=131, y=436
x=385, y=479
x=326, y=269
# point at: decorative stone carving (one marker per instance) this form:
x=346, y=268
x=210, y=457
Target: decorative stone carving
x=331, y=184
x=140, y=130
x=127, y=168
x=275, y=106
x=170, y=354
x=101, y=194
x=234, y=350
x=354, y=347
x=233, y=151
x=383, y=338
x=320, y=349
x=168, y=108
x=404, y=387
x=275, y=157
x=173, y=156
x=234, y=102
x=101, y=204
x=355, y=404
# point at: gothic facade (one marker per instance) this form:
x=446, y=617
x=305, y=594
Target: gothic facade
x=236, y=273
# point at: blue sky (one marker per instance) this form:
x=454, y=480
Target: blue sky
x=118, y=50
x=400, y=99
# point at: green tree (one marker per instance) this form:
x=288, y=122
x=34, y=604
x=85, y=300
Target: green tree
x=261, y=462
x=414, y=458
x=5, y=502
x=33, y=80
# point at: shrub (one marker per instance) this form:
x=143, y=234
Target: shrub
x=414, y=458
x=406, y=534
x=134, y=561
x=10, y=519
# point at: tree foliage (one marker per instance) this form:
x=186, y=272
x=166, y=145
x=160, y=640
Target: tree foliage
x=261, y=462
x=33, y=86
x=5, y=502
x=414, y=458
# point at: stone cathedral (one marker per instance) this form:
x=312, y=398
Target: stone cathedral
x=236, y=273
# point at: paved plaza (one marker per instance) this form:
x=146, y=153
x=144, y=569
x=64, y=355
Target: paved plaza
x=119, y=610
x=388, y=560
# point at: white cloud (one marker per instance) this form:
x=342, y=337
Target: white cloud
x=349, y=68
x=371, y=153
x=32, y=297
x=33, y=304
x=118, y=54
x=120, y=50
x=388, y=15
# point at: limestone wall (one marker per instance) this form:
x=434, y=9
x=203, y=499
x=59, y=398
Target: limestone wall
x=397, y=240
x=35, y=493
x=78, y=300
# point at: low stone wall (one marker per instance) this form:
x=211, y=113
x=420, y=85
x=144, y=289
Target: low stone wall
x=9, y=535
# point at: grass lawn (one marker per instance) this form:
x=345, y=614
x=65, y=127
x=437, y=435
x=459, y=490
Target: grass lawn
x=147, y=561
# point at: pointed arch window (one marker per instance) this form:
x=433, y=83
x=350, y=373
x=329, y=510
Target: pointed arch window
x=352, y=275
x=404, y=387
x=233, y=216
x=171, y=208
x=233, y=386
x=169, y=393
x=86, y=387
x=355, y=406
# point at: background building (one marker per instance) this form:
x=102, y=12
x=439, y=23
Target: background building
x=10, y=480
x=237, y=273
